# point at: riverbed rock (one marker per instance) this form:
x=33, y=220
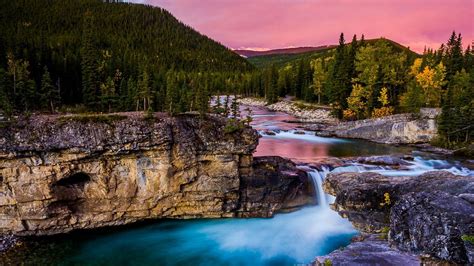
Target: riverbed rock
x=269, y=133
x=303, y=112
x=385, y=160
x=433, y=223
x=428, y=214
x=395, y=129
x=62, y=173
x=368, y=250
x=276, y=185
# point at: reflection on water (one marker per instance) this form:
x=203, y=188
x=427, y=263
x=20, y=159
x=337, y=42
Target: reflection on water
x=289, y=140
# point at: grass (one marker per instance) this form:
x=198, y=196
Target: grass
x=468, y=238
x=107, y=119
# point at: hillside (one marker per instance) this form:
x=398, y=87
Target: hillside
x=130, y=37
x=294, y=50
x=281, y=57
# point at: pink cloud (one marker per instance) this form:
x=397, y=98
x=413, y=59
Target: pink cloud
x=283, y=23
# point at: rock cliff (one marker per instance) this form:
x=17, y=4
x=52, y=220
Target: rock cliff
x=432, y=214
x=395, y=129
x=59, y=174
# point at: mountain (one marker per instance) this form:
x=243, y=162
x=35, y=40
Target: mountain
x=281, y=57
x=130, y=37
x=294, y=50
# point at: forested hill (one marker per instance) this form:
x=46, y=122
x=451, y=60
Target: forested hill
x=281, y=58
x=129, y=38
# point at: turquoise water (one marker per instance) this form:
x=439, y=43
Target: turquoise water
x=286, y=239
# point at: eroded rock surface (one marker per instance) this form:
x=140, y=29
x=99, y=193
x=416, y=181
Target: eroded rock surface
x=276, y=184
x=59, y=174
x=395, y=129
x=428, y=214
x=369, y=250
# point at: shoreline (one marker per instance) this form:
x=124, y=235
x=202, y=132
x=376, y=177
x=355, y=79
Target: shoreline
x=306, y=115
x=413, y=130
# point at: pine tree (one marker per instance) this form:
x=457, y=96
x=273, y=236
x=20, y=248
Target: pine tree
x=203, y=99
x=226, y=105
x=108, y=96
x=5, y=102
x=171, y=94
x=271, y=85
x=235, y=107
x=89, y=62
x=454, y=55
x=50, y=95
x=340, y=81
x=24, y=88
x=362, y=41
x=144, y=90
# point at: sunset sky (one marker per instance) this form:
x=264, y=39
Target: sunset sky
x=264, y=24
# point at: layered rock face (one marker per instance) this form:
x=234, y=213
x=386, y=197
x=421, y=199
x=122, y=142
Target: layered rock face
x=430, y=214
x=58, y=174
x=395, y=129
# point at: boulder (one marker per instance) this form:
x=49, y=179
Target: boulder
x=430, y=214
x=275, y=185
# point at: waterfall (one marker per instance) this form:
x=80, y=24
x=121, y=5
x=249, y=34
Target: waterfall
x=417, y=167
x=318, y=187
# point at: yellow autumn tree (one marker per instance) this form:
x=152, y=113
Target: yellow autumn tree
x=357, y=101
x=432, y=80
x=385, y=110
x=416, y=67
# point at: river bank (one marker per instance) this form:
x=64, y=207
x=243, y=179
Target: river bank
x=406, y=129
x=430, y=214
x=304, y=113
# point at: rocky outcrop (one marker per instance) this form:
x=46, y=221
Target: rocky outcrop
x=430, y=214
x=276, y=185
x=395, y=129
x=368, y=250
x=59, y=174
x=306, y=113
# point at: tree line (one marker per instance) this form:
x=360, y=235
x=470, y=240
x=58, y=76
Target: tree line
x=363, y=79
x=107, y=56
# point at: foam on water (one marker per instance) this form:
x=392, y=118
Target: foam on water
x=307, y=136
x=285, y=239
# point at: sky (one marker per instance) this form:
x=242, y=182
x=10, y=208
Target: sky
x=269, y=24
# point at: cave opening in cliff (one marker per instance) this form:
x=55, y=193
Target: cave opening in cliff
x=75, y=180
x=69, y=194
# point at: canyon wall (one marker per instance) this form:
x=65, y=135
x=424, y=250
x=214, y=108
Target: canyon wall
x=61, y=173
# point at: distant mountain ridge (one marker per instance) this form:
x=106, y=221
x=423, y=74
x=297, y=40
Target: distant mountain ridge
x=293, y=50
x=280, y=57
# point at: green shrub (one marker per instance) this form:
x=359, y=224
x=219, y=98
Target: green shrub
x=327, y=262
x=468, y=238
x=233, y=125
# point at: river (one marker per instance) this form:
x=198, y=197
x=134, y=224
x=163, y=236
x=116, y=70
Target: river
x=286, y=239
